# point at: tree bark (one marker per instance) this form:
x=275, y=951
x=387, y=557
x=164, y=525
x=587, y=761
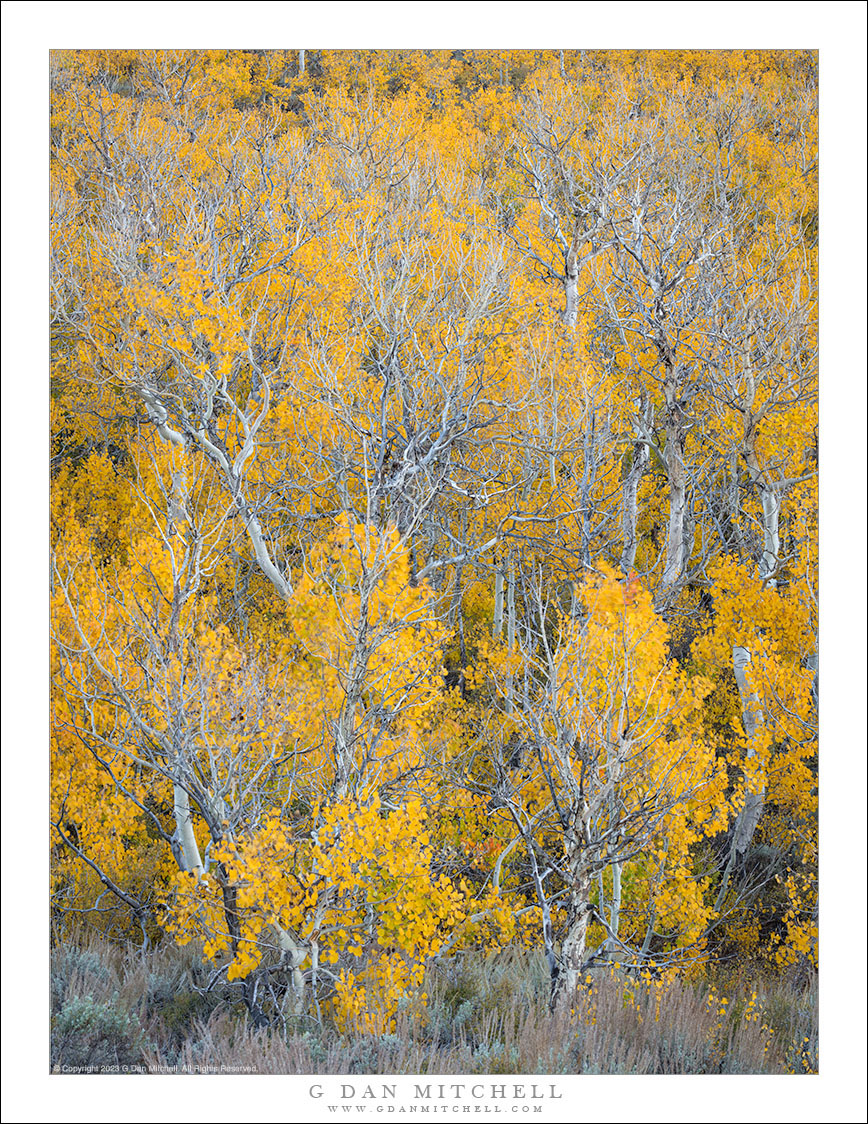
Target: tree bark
x=812, y=663
x=497, y=624
x=571, y=281
x=754, y=798
x=345, y=733
x=510, y=629
x=187, y=856
x=770, y=500
x=579, y=907
x=629, y=510
x=752, y=719
x=675, y=470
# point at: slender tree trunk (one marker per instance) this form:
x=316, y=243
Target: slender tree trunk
x=630, y=510
x=232, y=475
x=592, y=458
x=510, y=629
x=734, y=507
x=618, y=752
x=770, y=497
x=456, y=612
x=497, y=624
x=615, y=912
x=770, y=500
x=752, y=719
x=553, y=460
x=573, y=948
x=187, y=855
x=688, y=534
x=254, y=530
x=674, y=454
x=569, y=975
x=571, y=282
x=754, y=798
x=345, y=734
x=674, y=565
x=812, y=663
x=294, y=955
x=572, y=957
x=545, y=910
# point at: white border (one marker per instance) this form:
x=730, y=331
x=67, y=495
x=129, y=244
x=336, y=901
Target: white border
x=838, y=30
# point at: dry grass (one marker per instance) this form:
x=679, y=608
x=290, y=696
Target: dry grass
x=485, y=1015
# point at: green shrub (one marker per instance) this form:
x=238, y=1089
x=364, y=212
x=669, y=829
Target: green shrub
x=91, y=1035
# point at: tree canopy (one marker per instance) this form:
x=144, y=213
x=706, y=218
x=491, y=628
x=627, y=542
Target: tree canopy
x=434, y=509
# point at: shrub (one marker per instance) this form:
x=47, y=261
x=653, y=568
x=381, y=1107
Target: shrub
x=91, y=1035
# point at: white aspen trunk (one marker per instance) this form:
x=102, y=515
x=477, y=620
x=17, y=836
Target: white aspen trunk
x=571, y=283
x=294, y=955
x=770, y=500
x=771, y=505
x=754, y=799
x=339, y=461
x=589, y=472
x=649, y=933
x=674, y=460
x=301, y=55
x=579, y=907
x=497, y=625
x=177, y=513
x=812, y=663
x=157, y=412
x=688, y=535
x=752, y=718
x=748, y=818
x=615, y=913
x=254, y=530
x=345, y=733
x=677, y=502
x=630, y=510
x=572, y=959
x=629, y=519
x=553, y=470
x=188, y=849
x=510, y=629
x=617, y=754
x=456, y=611
x=545, y=910
x=675, y=534
x=769, y=495
x=159, y=415
x=734, y=501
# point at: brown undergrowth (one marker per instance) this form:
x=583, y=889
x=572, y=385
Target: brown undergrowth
x=164, y=1009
